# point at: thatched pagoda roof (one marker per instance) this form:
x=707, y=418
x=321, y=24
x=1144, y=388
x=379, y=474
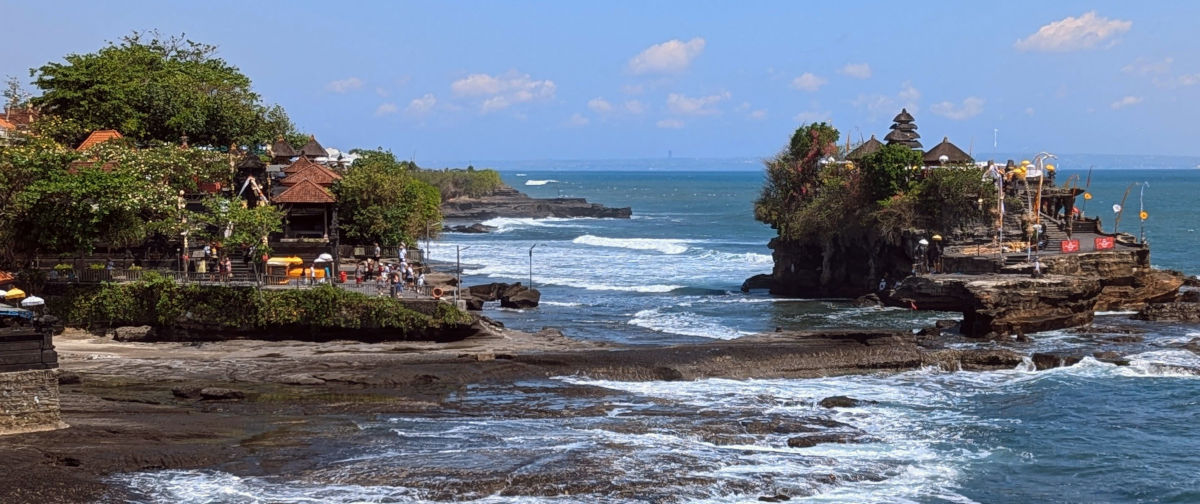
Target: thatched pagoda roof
x=313, y=149
x=903, y=117
x=282, y=149
x=867, y=148
x=953, y=154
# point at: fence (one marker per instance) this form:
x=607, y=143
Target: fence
x=236, y=278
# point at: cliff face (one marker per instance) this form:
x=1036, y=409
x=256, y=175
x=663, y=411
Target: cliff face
x=509, y=202
x=840, y=268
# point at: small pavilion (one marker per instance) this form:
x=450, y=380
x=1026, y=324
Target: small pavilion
x=953, y=154
x=865, y=149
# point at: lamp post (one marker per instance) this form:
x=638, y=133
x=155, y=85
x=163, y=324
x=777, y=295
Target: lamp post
x=1142, y=213
x=531, y=265
x=458, y=270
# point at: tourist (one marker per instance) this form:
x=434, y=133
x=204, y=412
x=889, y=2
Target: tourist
x=226, y=269
x=402, y=252
x=358, y=273
x=421, y=283
x=394, y=281
x=312, y=274
x=369, y=270
x=882, y=282
x=375, y=251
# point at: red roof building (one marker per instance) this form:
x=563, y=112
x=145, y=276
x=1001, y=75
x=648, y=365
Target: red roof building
x=98, y=137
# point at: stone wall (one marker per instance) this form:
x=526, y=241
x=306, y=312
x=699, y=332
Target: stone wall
x=29, y=401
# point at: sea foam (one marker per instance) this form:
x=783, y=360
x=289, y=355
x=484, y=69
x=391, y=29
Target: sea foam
x=662, y=245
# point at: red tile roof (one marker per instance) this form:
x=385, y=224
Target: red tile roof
x=6, y=277
x=305, y=191
x=98, y=137
x=321, y=175
x=7, y=125
x=298, y=165
x=20, y=117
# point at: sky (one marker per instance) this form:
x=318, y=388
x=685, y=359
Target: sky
x=520, y=80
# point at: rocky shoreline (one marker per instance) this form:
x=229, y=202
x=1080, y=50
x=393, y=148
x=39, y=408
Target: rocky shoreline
x=149, y=406
x=509, y=202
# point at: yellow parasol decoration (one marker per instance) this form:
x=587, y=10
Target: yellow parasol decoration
x=1144, y=215
x=15, y=293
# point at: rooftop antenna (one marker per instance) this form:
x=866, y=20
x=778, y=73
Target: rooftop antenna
x=995, y=140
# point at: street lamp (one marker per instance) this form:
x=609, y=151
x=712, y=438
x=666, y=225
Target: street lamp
x=458, y=270
x=531, y=265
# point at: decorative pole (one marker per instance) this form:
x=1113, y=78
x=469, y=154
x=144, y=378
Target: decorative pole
x=531, y=265
x=1142, y=215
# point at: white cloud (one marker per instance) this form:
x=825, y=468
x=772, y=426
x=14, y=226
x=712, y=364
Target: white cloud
x=344, y=85
x=633, y=89
x=577, y=120
x=502, y=91
x=856, y=70
x=672, y=56
x=669, y=124
x=909, y=96
x=1188, y=80
x=812, y=116
x=1029, y=111
x=1142, y=66
x=1073, y=34
x=634, y=107
x=704, y=105
x=383, y=93
x=758, y=115
x=808, y=82
x=970, y=107
x=386, y=108
x=876, y=105
x=1126, y=102
x=599, y=105
x=422, y=105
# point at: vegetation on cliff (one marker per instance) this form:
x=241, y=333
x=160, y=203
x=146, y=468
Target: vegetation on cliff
x=160, y=302
x=468, y=182
x=809, y=196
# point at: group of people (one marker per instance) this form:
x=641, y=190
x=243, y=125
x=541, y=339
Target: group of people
x=224, y=266
x=397, y=277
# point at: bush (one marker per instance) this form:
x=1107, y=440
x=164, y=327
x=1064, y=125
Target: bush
x=158, y=301
x=456, y=183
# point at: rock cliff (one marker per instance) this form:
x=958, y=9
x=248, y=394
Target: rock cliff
x=508, y=202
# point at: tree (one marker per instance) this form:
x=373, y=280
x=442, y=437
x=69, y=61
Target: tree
x=156, y=89
x=236, y=226
x=886, y=171
x=379, y=200
x=14, y=94
x=793, y=177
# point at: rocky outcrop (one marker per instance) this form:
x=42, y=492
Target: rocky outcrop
x=1173, y=312
x=510, y=295
x=508, y=202
x=476, y=228
x=1002, y=305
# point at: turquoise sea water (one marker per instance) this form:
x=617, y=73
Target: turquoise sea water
x=1092, y=432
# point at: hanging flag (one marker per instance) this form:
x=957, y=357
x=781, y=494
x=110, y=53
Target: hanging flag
x=1104, y=242
x=1069, y=246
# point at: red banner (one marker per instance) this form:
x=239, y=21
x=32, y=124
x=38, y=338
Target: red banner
x=1104, y=242
x=1069, y=246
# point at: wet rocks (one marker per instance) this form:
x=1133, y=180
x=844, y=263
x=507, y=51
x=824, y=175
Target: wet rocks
x=1173, y=312
x=843, y=402
x=867, y=301
x=810, y=440
x=510, y=295
x=1043, y=361
x=476, y=228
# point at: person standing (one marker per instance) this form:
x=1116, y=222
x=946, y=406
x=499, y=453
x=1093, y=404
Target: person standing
x=375, y=251
x=402, y=252
x=226, y=269
x=358, y=273
x=421, y=283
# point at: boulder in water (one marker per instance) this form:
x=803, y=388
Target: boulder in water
x=811, y=440
x=868, y=301
x=526, y=298
x=843, y=402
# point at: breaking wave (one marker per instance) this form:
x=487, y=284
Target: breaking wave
x=662, y=245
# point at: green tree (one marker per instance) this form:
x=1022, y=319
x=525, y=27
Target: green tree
x=151, y=88
x=379, y=200
x=793, y=178
x=886, y=171
x=236, y=226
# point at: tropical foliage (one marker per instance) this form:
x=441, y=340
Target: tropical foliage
x=152, y=88
x=380, y=200
x=808, y=198
x=456, y=183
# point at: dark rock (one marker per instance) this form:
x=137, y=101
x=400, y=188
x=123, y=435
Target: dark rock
x=843, y=402
x=133, y=333
x=869, y=300
x=774, y=498
x=1043, y=361
x=1189, y=296
x=811, y=440
x=508, y=202
x=1193, y=345
x=1172, y=312
x=945, y=323
x=68, y=377
x=473, y=303
x=219, y=394
x=301, y=379
x=526, y=298
x=186, y=392
x=1111, y=358
x=473, y=228
x=762, y=281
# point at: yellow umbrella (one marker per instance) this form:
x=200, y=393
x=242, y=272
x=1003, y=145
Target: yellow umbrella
x=15, y=293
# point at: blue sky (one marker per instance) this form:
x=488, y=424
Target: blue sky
x=568, y=80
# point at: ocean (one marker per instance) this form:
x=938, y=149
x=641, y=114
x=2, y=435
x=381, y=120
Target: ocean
x=1091, y=432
